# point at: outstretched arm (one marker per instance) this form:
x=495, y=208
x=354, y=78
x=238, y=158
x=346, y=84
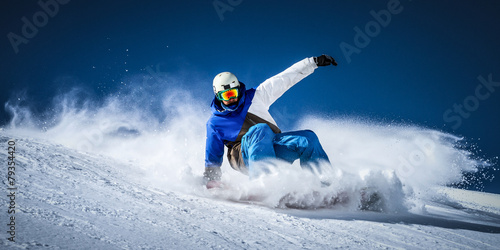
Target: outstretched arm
x=273, y=88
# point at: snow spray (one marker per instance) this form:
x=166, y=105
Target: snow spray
x=160, y=131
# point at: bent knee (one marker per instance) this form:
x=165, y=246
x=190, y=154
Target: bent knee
x=261, y=126
x=310, y=135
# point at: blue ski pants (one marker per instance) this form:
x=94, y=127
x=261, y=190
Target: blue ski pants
x=260, y=143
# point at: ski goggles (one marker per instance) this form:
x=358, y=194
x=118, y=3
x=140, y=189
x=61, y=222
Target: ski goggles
x=228, y=94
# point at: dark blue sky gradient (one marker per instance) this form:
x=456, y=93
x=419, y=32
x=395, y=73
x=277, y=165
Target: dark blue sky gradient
x=426, y=59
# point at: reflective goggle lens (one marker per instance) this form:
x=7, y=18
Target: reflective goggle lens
x=226, y=95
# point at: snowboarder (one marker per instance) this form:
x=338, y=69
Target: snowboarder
x=241, y=121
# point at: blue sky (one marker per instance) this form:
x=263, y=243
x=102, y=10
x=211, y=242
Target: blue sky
x=416, y=62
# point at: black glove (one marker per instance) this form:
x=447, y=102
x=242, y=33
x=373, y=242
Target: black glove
x=325, y=60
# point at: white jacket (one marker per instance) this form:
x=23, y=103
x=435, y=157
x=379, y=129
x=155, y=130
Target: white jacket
x=273, y=88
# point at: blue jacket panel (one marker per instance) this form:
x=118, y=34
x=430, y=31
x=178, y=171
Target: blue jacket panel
x=223, y=126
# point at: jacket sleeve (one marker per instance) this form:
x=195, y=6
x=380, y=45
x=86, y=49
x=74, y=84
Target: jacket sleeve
x=214, y=149
x=273, y=88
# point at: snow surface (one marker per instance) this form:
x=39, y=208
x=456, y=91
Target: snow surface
x=70, y=199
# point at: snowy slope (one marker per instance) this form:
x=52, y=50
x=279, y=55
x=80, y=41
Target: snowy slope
x=70, y=199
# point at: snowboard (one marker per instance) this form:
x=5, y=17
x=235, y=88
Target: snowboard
x=367, y=199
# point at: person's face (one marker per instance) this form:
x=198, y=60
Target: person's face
x=230, y=102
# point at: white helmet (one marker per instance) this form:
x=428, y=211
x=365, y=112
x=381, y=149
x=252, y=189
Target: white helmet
x=225, y=80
